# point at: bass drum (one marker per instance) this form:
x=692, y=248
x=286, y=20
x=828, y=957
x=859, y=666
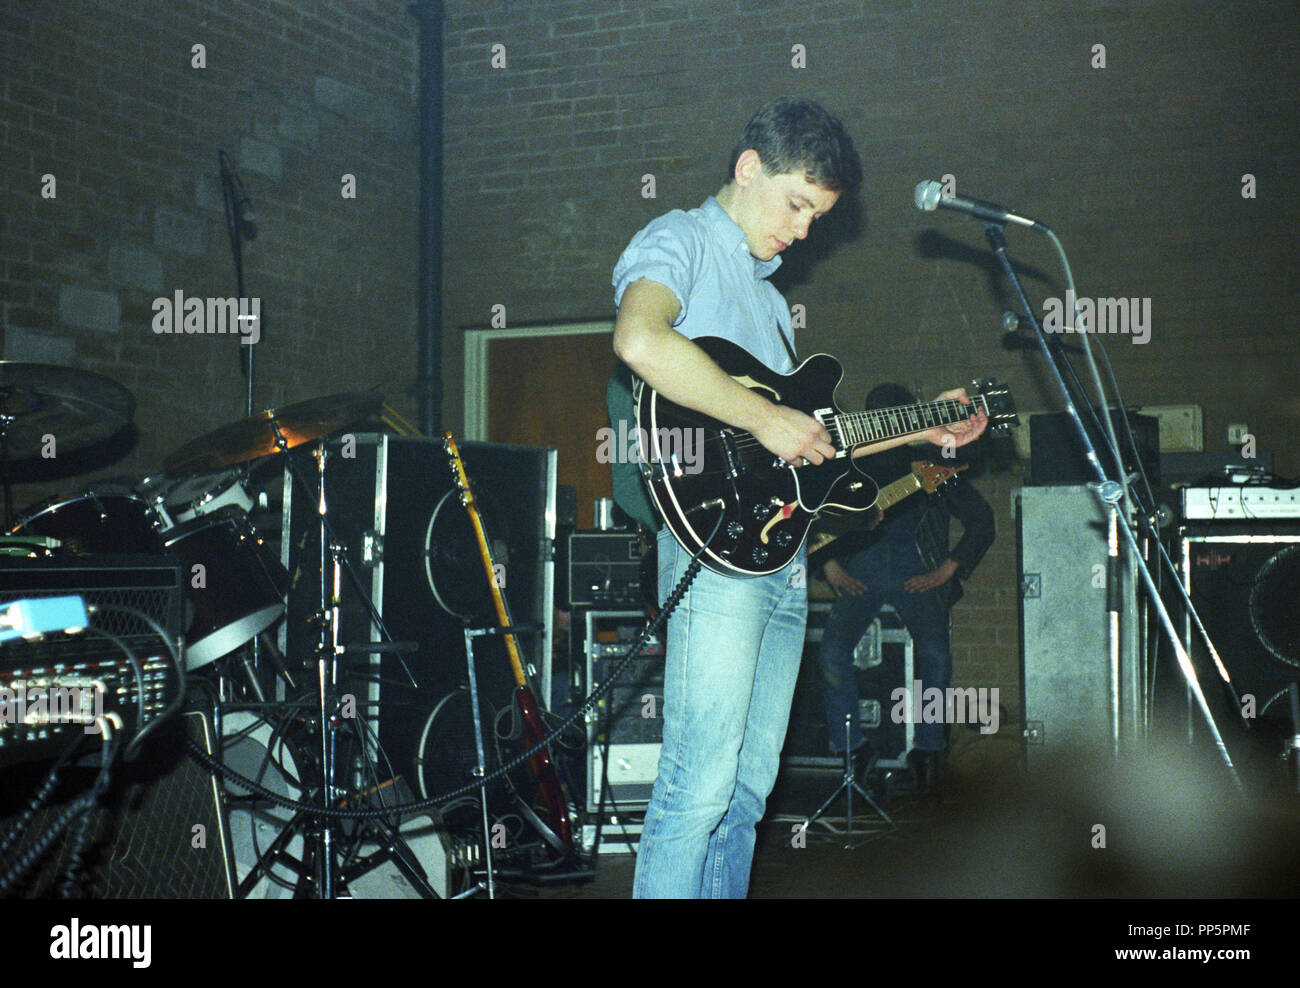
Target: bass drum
x=94, y=521
x=254, y=749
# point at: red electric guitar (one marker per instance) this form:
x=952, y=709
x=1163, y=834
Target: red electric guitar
x=548, y=784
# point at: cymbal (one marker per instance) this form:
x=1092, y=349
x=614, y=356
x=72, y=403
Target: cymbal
x=253, y=438
x=78, y=408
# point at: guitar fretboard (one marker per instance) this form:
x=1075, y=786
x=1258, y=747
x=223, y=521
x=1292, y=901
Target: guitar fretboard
x=877, y=424
x=899, y=489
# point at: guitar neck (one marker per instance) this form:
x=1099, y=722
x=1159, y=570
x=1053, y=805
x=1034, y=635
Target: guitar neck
x=887, y=497
x=877, y=424
x=891, y=494
x=485, y=554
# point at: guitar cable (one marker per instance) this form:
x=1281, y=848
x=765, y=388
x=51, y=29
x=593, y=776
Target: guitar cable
x=642, y=640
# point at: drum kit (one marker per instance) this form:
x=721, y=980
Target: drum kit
x=201, y=510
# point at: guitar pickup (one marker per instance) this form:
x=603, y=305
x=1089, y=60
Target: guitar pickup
x=732, y=455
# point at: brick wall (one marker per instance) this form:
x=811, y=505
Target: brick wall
x=1138, y=165
x=557, y=110
x=107, y=98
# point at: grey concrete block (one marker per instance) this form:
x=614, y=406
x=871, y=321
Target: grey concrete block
x=208, y=196
x=357, y=104
x=298, y=127
x=89, y=308
x=261, y=157
x=38, y=348
x=135, y=267
x=182, y=232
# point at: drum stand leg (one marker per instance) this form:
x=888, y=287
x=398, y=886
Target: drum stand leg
x=393, y=847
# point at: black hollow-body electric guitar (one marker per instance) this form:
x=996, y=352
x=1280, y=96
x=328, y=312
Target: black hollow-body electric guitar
x=698, y=468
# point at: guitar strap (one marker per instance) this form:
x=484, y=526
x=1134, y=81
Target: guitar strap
x=789, y=348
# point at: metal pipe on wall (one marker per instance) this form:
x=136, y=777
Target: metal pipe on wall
x=428, y=382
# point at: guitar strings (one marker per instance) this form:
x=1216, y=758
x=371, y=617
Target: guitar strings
x=884, y=420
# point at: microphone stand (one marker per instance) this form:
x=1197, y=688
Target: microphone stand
x=1109, y=494
x=238, y=234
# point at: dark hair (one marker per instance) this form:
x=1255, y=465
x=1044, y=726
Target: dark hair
x=791, y=133
x=888, y=395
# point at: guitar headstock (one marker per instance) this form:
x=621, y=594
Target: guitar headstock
x=457, y=466
x=996, y=402
x=932, y=476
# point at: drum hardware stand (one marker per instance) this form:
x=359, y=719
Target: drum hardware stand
x=393, y=847
x=329, y=652
x=848, y=786
x=277, y=852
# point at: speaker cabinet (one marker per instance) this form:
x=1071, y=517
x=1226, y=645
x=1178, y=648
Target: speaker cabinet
x=157, y=833
x=1244, y=581
x=397, y=514
x=1073, y=696
x=1057, y=456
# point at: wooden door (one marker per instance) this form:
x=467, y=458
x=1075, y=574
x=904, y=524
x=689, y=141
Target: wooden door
x=550, y=391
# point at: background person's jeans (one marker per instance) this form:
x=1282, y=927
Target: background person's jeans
x=734, y=647
x=883, y=568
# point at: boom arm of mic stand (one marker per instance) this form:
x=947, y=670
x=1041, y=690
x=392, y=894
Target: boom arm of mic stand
x=231, y=203
x=999, y=243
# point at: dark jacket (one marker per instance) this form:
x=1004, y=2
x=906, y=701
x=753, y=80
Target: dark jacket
x=923, y=518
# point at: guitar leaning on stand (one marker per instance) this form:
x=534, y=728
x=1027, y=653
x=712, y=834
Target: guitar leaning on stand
x=555, y=828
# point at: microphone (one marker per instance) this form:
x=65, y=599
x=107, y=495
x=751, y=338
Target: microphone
x=929, y=196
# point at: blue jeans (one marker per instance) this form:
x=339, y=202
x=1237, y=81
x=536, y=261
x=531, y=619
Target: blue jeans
x=883, y=568
x=734, y=647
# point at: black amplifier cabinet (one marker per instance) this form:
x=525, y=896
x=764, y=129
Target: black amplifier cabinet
x=1056, y=455
x=1244, y=580
x=151, y=584
x=395, y=508
x=604, y=569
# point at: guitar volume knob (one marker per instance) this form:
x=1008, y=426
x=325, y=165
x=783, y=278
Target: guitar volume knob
x=783, y=538
x=735, y=529
x=759, y=555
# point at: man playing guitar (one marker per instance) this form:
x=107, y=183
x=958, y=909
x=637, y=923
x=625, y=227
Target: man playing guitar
x=734, y=643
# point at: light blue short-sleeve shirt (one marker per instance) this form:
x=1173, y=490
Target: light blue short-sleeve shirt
x=701, y=255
